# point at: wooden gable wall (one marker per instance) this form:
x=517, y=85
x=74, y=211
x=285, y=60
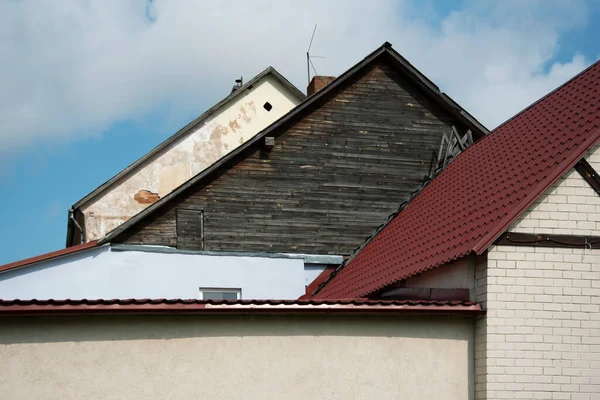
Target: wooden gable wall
x=330, y=180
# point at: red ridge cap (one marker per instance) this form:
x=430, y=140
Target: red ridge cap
x=193, y=306
x=48, y=256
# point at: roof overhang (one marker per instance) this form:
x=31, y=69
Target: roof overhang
x=10, y=308
x=49, y=256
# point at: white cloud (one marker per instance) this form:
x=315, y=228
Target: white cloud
x=72, y=69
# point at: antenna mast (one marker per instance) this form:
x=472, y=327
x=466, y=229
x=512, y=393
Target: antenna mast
x=309, y=62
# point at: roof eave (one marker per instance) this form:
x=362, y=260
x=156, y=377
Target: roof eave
x=223, y=309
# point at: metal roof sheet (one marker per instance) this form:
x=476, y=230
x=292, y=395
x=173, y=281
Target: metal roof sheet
x=282, y=307
x=476, y=198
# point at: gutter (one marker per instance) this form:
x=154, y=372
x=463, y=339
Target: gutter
x=72, y=221
x=130, y=307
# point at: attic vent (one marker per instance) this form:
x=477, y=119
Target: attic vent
x=267, y=106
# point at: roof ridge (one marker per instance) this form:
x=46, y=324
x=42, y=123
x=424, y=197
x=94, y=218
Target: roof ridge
x=414, y=74
x=188, y=126
x=485, y=189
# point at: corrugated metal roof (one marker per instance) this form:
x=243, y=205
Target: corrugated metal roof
x=465, y=208
x=180, y=306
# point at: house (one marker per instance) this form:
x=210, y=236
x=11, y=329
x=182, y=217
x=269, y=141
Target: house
x=246, y=111
x=321, y=178
x=511, y=224
x=301, y=194
x=485, y=285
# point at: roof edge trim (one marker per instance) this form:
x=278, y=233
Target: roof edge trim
x=487, y=240
x=49, y=256
x=249, y=307
x=269, y=70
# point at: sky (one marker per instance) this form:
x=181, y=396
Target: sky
x=88, y=87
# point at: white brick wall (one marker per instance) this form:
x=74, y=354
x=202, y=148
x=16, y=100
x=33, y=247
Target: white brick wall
x=540, y=338
x=569, y=207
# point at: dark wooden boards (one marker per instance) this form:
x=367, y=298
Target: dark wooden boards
x=548, y=240
x=189, y=229
x=327, y=183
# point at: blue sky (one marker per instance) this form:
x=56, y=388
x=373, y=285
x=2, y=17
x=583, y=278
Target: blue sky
x=90, y=86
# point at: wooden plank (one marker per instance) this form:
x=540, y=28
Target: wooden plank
x=589, y=174
x=190, y=229
x=330, y=180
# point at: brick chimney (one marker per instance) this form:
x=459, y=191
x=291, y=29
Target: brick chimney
x=317, y=83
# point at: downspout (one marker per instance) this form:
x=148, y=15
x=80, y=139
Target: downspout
x=81, y=230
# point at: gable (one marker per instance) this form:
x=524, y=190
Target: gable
x=481, y=193
x=570, y=207
x=220, y=130
x=331, y=178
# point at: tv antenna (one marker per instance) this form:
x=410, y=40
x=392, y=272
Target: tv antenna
x=309, y=62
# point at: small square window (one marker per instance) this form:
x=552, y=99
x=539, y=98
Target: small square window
x=267, y=106
x=220, y=294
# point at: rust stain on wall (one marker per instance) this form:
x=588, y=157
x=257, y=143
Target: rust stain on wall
x=146, y=197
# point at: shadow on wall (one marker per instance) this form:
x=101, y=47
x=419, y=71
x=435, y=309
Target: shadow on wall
x=14, y=330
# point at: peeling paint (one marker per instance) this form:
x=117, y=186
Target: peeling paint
x=146, y=197
x=234, y=125
x=221, y=133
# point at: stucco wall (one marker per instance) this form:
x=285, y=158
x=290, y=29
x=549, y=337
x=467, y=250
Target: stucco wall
x=457, y=275
x=236, y=358
x=104, y=274
x=221, y=133
x=541, y=335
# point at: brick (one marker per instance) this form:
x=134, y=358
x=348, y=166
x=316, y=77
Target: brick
x=544, y=315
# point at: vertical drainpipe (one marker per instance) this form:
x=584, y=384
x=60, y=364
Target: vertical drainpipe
x=81, y=230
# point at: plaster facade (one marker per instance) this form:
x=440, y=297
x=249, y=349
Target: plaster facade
x=226, y=129
x=103, y=273
x=260, y=357
x=459, y=274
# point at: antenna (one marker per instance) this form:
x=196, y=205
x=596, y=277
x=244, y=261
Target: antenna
x=309, y=62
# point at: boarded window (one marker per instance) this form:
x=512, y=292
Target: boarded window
x=190, y=229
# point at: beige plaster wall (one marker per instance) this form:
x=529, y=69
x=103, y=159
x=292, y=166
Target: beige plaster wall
x=244, y=357
x=225, y=130
x=459, y=274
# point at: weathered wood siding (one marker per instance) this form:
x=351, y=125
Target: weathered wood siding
x=330, y=180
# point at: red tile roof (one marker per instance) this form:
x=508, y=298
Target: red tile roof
x=465, y=208
x=319, y=280
x=49, y=256
x=179, y=306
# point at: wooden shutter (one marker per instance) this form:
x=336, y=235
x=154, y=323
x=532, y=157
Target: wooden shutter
x=190, y=229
